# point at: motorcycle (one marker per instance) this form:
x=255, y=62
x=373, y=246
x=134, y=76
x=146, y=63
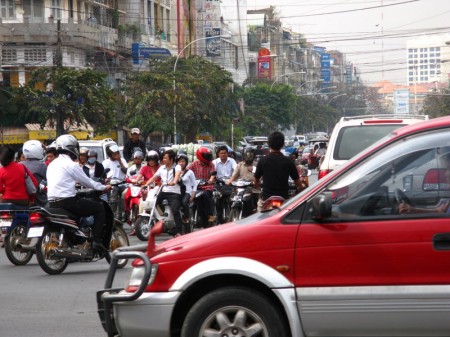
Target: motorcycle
x=222, y=201
x=115, y=197
x=14, y=224
x=241, y=199
x=152, y=213
x=136, y=194
x=198, y=218
x=64, y=238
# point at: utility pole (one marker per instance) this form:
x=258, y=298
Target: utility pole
x=58, y=65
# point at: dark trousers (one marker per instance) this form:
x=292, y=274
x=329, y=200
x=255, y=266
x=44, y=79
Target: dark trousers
x=174, y=200
x=185, y=204
x=84, y=207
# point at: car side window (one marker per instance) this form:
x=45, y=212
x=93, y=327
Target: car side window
x=411, y=172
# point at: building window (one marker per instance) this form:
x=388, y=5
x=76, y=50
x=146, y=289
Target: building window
x=438, y=48
x=432, y=72
x=411, y=73
x=9, y=55
x=35, y=55
x=411, y=79
x=56, y=9
x=7, y=9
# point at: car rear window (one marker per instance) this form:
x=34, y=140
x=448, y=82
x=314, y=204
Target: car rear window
x=354, y=139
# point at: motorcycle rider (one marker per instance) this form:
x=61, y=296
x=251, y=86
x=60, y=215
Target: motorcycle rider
x=134, y=169
x=244, y=170
x=93, y=168
x=34, y=155
x=118, y=169
x=170, y=173
x=275, y=169
x=204, y=169
x=62, y=175
x=147, y=171
x=188, y=178
x=132, y=144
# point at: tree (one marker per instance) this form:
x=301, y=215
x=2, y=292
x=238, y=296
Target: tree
x=268, y=108
x=203, y=98
x=437, y=105
x=64, y=94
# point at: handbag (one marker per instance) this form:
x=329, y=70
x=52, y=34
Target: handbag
x=31, y=188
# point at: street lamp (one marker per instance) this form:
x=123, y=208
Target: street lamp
x=174, y=83
x=312, y=81
x=276, y=78
x=334, y=97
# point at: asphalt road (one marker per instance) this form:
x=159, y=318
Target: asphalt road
x=33, y=303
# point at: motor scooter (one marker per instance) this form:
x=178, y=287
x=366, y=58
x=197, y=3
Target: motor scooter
x=63, y=237
x=135, y=189
x=152, y=213
x=14, y=224
x=241, y=197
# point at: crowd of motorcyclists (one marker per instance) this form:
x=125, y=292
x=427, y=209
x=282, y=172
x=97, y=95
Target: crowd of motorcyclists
x=63, y=165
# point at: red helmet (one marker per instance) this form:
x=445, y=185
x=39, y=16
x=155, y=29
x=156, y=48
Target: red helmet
x=204, y=154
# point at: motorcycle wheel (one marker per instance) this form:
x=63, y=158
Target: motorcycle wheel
x=119, y=239
x=51, y=265
x=134, y=214
x=235, y=214
x=16, y=255
x=142, y=227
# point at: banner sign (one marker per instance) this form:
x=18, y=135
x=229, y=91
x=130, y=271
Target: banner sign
x=213, y=42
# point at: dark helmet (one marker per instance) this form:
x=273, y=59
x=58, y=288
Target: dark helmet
x=92, y=153
x=249, y=154
x=182, y=156
x=152, y=155
x=204, y=154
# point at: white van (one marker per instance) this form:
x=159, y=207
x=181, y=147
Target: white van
x=353, y=134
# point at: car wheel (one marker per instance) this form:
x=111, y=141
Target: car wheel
x=234, y=311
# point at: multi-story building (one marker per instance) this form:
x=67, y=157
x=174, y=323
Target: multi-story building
x=428, y=59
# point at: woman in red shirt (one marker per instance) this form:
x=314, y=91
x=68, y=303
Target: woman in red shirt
x=12, y=179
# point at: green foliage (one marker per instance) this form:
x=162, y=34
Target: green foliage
x=437, y=105
x=268, y=108
x=203, y=98
x=66, y=94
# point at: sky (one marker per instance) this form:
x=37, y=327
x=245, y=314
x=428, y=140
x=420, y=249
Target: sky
x=372, y=33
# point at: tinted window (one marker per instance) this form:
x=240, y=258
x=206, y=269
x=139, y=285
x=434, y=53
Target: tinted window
x=353, y=139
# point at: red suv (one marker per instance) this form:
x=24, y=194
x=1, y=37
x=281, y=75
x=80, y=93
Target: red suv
x=363, y=252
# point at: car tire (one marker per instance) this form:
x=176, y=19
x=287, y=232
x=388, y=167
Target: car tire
x=234, y=311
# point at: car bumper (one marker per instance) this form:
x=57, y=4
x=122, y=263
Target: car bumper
x=149, y=315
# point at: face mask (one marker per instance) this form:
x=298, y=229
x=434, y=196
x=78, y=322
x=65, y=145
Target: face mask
x=91, y=161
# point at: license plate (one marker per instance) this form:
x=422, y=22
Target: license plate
x=5, y=222
x=35, y=232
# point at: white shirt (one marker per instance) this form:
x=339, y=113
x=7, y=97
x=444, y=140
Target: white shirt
x=63, y=174
x=189, y=181
x=133, y=168
x=224, y=170
x=167, y=176
x=115, y=168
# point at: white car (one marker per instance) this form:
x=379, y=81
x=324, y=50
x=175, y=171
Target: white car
x=99, y=146
x=353, y=134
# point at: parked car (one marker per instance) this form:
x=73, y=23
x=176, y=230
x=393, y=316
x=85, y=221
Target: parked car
x=336, y=260
x=353, y=134
x=99, y=146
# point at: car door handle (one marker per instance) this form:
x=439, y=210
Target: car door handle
x=441, y=241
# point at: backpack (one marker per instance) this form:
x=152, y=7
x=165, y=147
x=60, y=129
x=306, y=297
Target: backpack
x=181, y=183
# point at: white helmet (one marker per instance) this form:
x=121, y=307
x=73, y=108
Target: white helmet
x=32, y=149
x=67, y=143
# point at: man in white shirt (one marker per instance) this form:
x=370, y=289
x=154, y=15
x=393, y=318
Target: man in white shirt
x=118, y=169
x=170, y=176
x=62, y=175
x=224, y=165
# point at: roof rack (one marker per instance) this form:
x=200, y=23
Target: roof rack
x=386, y=116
